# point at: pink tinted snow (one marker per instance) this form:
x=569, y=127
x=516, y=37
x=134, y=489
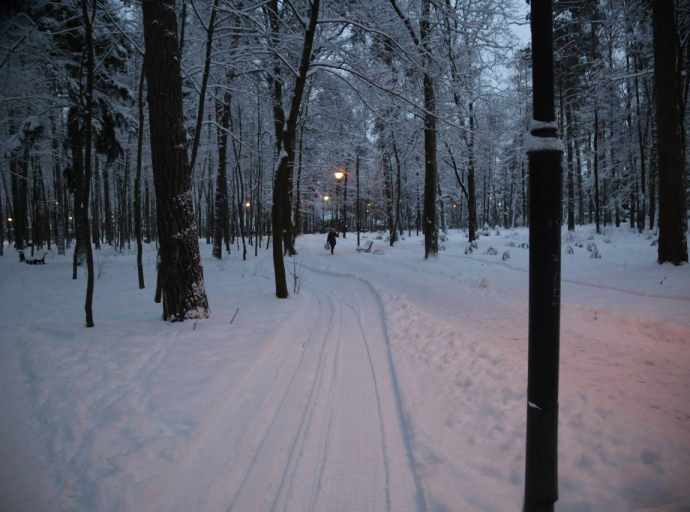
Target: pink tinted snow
x=388, y=382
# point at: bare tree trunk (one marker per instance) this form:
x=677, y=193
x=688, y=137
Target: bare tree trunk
x=204, y=82
x=95, y=221
x=181, y=275
x=471, y=190
x=287, y=152
x=430, y=227
x=570, y=169
x=221, y=204
x=137, y=179
x=86, y=184
x=673, y=245
x=642, y=208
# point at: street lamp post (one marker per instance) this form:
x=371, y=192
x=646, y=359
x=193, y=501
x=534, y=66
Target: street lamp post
x=358, y=205
x=339, y=175
x=323, y=212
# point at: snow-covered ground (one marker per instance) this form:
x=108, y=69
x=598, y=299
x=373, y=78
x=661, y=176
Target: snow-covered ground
x=387, y=383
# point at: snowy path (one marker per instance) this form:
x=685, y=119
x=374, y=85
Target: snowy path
x=315, y=422
x=388, y=383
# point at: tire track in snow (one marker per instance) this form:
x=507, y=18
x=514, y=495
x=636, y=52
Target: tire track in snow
x=194, y=483
x=324, y=411
x=403, y=431
x=315, y=424
x=250, y=488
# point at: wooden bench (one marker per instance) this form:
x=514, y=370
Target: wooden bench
x=32, y=261
x=366, y=247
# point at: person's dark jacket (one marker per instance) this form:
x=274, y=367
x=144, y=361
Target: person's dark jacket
x=331, y=238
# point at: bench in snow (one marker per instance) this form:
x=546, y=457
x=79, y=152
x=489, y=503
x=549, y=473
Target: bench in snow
x=32, y=261
x=366, y=247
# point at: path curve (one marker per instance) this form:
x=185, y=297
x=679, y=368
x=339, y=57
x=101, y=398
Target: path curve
x=315, y=423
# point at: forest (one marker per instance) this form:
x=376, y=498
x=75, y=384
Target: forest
x=149, y=145
x=425, y=108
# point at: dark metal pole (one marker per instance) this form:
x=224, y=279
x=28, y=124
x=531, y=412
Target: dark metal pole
x=545, y=153
x=358, y=203
x=345, y=207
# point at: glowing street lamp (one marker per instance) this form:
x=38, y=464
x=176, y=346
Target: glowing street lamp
x=339, y=175
x=9, y=219
x=71, y=218
x=248, y=204
x=326, y=198
x=455, y=205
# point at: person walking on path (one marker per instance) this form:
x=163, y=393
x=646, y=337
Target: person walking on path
x=331, y=239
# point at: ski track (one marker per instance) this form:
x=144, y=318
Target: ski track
x=315, y=423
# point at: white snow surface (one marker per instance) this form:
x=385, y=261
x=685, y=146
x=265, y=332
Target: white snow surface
x=388, y=383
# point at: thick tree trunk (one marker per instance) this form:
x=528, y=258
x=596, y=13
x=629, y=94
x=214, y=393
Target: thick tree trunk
x=673, y=245
x=181, y=275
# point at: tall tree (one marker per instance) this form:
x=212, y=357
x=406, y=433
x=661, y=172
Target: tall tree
x=673, y=244
x=180, y=272
x=85, y=185
x=286, y=155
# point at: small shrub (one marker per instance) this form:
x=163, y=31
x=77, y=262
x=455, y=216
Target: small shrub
x=595, y=254
x=491, y=251
x=591, y=247
x=524, y=245
x=569, y=250
x=510, y=244
x=506, y=255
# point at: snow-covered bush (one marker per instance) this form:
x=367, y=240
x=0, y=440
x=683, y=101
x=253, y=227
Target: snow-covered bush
x=595, y=254
x=524, y=245
x=491, y=251
x=569, y=250
x=506, y=255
